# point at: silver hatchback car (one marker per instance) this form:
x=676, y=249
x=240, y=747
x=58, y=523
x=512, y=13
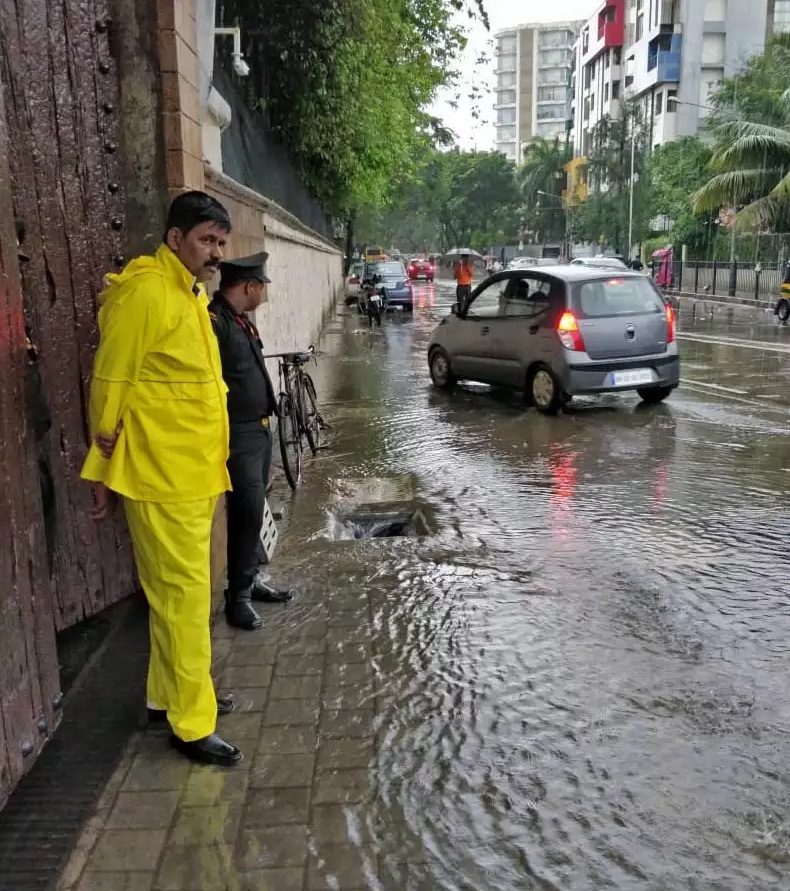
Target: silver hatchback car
x=557, y=332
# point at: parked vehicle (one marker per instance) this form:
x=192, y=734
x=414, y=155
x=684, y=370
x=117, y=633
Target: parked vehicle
x=782, y=307
x=558, y=332
x=393, y=283
x=600, y=262
x=353, y=283
x=418, y=268
x=531, y=262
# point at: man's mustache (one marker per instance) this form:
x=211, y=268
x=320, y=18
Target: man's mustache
x=212, y=264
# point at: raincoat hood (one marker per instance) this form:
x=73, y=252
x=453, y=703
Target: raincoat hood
x=164, y=262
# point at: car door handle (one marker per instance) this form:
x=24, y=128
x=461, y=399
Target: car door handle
x=485, y=329
x=533, y=329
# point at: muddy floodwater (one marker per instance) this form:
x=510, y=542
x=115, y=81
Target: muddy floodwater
x=580, y=638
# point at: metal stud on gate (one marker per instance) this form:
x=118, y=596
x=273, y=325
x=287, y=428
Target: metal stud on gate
x=112, y=188
x=27, y=748
x=104, y=67
x=119, y=259
x=110, y=147
x=117, y=224
x=43, y=727
x=57, y=702
x=108, y=108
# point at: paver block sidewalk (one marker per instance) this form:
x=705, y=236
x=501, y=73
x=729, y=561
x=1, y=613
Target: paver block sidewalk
x=298, y=813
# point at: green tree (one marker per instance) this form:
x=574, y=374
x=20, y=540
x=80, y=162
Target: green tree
x=453, y=199
x=604, y=217
x=750, y=127
x=675, y=171
x=345, y=83
x=542, y=178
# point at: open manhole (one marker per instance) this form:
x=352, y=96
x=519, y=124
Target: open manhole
x=373, y=521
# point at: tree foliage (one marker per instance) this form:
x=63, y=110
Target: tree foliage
x=542, y=180
x=452, y=199
x=345, y=83
x=604, y=217
x=750, y=126
x=675, y=171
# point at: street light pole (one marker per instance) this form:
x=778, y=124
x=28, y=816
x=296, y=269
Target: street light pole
x=631, y=195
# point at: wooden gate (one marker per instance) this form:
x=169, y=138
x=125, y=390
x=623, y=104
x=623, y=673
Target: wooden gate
x=61, y=181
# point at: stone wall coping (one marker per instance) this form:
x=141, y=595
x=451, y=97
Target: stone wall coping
x=223, y=182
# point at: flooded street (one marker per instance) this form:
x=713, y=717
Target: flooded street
x=580, y=675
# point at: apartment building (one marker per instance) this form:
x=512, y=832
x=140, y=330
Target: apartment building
x=597, y=78
x=680, y=50
x=671, y=55
x=533, y=68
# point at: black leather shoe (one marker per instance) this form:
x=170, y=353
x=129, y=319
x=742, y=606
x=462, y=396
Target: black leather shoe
x=240, y=614
x=209, y=750
x=263, y=593
x=225, y=705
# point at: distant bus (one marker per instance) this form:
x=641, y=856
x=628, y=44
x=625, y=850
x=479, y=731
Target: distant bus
x=374, y=252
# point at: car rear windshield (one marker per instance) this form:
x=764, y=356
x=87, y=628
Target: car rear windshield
x=617, y=297
x=390, y=269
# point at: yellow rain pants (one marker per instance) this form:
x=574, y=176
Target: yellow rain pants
x=172, y=545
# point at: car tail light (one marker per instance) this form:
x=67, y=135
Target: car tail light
x=670, y=324
x=568, y=330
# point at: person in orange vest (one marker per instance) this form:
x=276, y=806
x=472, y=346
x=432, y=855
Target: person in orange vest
x=463, y=279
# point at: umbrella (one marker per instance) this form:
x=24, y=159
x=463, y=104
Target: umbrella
x=460, y=252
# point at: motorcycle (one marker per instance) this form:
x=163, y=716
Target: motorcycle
x=372, y=302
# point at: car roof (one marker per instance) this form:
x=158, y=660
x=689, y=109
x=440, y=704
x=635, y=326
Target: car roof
x=566, y=272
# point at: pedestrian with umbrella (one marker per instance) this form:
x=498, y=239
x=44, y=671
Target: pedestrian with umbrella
x=462, y=273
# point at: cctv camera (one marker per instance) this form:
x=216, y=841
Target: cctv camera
x=240, y=66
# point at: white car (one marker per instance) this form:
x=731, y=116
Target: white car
x=353, y=282
x=532, y=262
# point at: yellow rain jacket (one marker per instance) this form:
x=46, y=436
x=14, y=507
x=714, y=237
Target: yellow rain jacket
x=158, y=371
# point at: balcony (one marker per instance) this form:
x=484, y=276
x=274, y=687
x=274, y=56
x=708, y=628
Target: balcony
x=663, y=57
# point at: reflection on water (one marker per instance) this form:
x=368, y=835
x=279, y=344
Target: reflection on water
x=580, y=679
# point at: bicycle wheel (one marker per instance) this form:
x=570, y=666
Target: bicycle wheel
x=290, y=441
x=311, y=416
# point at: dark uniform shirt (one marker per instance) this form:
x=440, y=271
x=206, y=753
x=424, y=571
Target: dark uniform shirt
x=250, y=392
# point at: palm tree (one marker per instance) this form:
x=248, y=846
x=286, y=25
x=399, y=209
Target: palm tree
x=541, y=178
x=751, y=130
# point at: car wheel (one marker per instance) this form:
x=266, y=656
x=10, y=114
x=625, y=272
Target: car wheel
x=440, y=369
x=545, y=390
x=783, y=310
x=654, y=395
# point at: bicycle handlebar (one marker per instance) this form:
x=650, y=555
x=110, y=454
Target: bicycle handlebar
x=296, y=354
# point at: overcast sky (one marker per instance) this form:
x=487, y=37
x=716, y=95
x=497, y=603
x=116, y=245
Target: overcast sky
x=503, y=14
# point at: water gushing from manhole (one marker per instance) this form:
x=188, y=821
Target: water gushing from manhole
x=370, y=523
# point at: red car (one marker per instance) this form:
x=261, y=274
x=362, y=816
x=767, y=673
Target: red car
x=421, y=269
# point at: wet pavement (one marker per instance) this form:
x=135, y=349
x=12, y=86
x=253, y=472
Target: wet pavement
x=575, y=677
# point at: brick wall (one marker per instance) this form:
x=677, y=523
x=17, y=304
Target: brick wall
x=180, y=94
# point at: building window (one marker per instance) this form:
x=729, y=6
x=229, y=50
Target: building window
x=506, y=116
x=640, y=19
x=592, y=102
x=606, y=92
x=659, y=104
x=507, y=45
x=607, y=59
x=672, y=105
x=712, y=49
x=587, y=76
x=715, y=10
x=617, y=55
x=585, y=40
x=508, y=62
x=505, y=81
x=615, y=89
x=507, y=97
x=506, y=134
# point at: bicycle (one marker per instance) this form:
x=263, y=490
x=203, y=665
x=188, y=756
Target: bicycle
x=297, y=412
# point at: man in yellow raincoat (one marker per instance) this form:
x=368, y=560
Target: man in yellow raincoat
x=159, y=427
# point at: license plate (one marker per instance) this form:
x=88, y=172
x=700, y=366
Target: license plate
x=634, y=378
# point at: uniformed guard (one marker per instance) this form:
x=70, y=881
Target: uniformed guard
x=251, y=404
